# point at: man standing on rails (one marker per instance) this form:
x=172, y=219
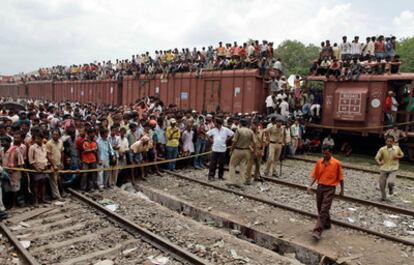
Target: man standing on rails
x=328, y=173
x=276, y=135
x=388, y=157
x=241, y=150
x=218, y=136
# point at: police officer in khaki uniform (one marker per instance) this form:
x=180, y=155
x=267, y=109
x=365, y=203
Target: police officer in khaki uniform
x=241, y=150
x=276, y=136
x=256, y=159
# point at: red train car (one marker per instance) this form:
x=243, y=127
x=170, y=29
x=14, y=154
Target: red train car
x=229, y=91
x=357, y=107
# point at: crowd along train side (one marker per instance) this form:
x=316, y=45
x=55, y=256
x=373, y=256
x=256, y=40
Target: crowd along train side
x=353, y=107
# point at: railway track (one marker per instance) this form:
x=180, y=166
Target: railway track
x=82, y=231
x=383, y=206
x=367, y=170
x=294, y=209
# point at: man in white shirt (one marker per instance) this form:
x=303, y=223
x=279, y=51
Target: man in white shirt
x=218, y=136
x=345, y=48
x=371, y=47
x=394, y=108
x=296, y=135
x=250, y=50
x=270, y=104
x=356, y=48
x=328, y=141
x=284, y=108
x=278, y=65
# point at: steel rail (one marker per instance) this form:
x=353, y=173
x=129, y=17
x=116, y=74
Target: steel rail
x=382, y=206
x=158, y=242
x=28, y=258
x=367, y=170
x=292, y=209
x=347, y=198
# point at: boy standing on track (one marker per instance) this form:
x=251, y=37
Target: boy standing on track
x=388, y=157
x=328, y=173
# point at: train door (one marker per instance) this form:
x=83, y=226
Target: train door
x=403, y=93
x=211, y=95
x=404, y=116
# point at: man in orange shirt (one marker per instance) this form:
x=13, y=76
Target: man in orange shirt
x=328, y=173
x=89, y=158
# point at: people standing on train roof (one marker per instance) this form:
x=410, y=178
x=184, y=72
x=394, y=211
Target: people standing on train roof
x=388, y=158
x=328, y=173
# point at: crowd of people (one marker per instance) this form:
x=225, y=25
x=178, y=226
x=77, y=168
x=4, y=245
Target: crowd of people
x=349, y=60
x=42, y=138
x=47, y=137
x=295, y=101
x=226, y=56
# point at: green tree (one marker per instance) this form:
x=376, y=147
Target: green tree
x=296, y=57
x=405, y=48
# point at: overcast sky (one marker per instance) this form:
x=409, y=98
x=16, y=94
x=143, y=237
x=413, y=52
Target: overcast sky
x=42, y=33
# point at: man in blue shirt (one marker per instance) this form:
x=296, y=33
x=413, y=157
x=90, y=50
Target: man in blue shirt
x=105, y=154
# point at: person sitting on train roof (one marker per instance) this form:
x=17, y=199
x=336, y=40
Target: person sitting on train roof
x=355, y=70
x=394, y=65
x=334, y=69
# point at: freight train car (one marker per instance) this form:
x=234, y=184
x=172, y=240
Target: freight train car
x=357, y=107
x=231, y=91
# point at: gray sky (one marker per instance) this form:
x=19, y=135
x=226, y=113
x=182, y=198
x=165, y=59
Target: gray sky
x=43, y=33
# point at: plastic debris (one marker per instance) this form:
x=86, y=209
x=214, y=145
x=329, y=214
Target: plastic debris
x=127, y=252
x=16, y=227
x=106, y=202
x=109, y=204
x=112, y=207
x=389, y=224
x=349, y=258
x=351, y=220
x=105, y=262
x=158, y=260
x=25, y=244
x=237, y=257
x=352, y=209
x=128, y=187
x=24, y=224
x=219, y=244
x=394, y=216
